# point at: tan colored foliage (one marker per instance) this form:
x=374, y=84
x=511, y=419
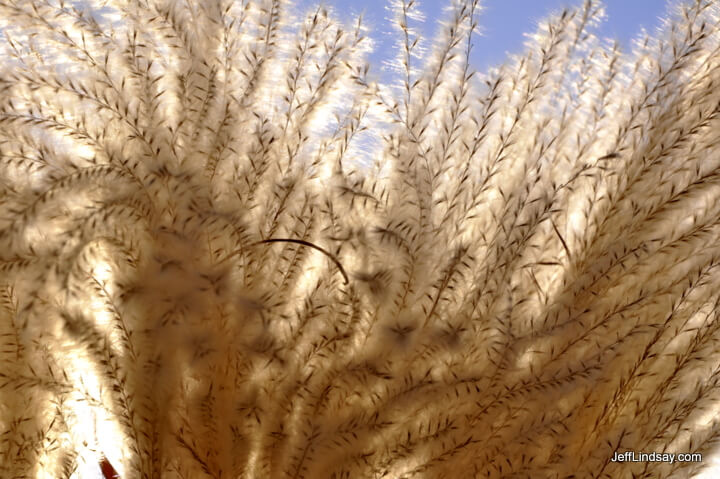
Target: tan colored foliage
x=228, y=250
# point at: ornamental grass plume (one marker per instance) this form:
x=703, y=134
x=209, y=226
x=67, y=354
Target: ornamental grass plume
x=228, y=250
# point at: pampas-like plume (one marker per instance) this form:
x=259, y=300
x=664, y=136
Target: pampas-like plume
x=202, y=276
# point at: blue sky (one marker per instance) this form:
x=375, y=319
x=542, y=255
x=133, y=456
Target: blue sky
x=503, y=22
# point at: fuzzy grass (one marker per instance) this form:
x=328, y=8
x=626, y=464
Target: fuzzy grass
x=208, y=270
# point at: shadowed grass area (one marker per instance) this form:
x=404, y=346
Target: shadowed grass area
x=207, y=268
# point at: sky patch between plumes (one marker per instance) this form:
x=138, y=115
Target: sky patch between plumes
x=503, y=24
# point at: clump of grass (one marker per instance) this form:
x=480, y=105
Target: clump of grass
x=203, y=276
